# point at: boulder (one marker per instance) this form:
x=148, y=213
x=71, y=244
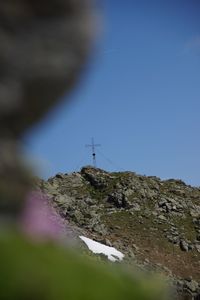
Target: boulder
x=118, y=199
x=184, y=245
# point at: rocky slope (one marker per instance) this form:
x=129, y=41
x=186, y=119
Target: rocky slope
x=155, y=223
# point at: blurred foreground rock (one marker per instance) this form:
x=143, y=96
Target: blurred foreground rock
x=43, y=47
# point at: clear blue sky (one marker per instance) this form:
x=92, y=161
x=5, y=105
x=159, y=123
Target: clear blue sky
x=139, y=97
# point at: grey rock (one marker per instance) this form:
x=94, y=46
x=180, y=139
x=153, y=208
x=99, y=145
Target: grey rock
x=173, y=240
x=60, y=175
x=135, y=247
x=128, y=192
x=197, y=248
x=101, y=229
x=195, y=211
x=106, y=242
x=131, y=254
x=78, y=217
x=184, y=245
x=190, y=247
x=191, y=285
x=117, y=227
x=135, y=207
x=96, y=177
x=118, y=199
x=161, y=217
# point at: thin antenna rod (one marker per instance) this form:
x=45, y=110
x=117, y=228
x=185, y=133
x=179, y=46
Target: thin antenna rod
x=93, y=146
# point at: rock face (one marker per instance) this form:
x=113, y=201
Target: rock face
x=155, y=223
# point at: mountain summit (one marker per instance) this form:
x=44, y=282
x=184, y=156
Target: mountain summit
x=154, y=222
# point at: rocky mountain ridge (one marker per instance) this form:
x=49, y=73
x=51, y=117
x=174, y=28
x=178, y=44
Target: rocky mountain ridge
x=155, y=223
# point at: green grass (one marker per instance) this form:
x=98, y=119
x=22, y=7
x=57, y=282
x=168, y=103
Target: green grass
x=49, y=272
x=189, y=230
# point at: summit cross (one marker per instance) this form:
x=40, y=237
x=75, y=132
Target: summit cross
x=93, y=146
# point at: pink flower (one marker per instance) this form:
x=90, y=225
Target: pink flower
x=39, y=219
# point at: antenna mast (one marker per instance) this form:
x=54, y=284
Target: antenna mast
x=93, y=146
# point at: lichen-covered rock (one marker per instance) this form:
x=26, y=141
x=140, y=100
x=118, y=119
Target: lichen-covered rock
x=118, y=199
x=96, y=177
x=188, y=288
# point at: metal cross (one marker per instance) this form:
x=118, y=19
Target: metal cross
x=93, y=146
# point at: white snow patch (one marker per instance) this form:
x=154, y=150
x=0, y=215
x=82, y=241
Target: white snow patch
x=98, y=248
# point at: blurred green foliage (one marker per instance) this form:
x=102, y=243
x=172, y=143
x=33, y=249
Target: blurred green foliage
x=50, y=272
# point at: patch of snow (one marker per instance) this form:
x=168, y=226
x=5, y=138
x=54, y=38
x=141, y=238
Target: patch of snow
x=98, y=248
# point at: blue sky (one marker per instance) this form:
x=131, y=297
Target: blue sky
x=139, y=96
